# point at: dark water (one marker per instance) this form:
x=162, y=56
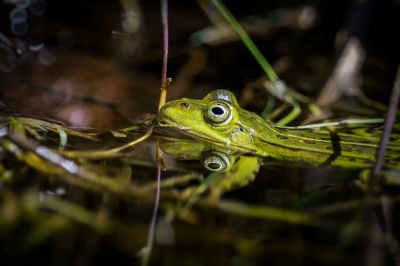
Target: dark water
x=97, y=64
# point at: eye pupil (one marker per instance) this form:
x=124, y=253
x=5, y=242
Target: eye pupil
x=214, y=166
x=216, y=161
x=217, y=110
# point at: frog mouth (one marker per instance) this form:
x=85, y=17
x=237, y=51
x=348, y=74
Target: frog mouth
x=188, y=131
x=165, y=122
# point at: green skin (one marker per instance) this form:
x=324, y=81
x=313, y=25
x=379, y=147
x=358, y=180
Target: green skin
x=247, y=132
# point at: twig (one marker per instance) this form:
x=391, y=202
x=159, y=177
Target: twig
x=389, y=122
x=146, y=251
x=164, y=80
x=374, y=179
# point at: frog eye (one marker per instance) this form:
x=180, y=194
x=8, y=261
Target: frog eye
x=218, y=113
x=216, y=162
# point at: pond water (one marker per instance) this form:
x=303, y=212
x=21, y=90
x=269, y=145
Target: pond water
x=78, y=78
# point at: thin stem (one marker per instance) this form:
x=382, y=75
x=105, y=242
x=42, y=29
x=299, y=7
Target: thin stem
x=164, y=80
x=389, y=122
x=246, y=40
x=341, y=123
x=164, y=14
x=163, y=95
x=152, y=227
x=99, y=154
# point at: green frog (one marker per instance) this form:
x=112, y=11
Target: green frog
x=218, y=119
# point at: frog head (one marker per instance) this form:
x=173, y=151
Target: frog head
x=216, y=118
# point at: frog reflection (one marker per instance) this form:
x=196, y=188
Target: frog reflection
x=232, y=167
x=214, y=158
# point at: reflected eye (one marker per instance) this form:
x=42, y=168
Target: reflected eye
x=219, y=114
x=216, y=162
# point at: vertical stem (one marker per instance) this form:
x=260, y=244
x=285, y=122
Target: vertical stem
x=164, y=80
x=164, y=14
x=152, y=227
x=160, y=165
x=375, y=178
x=390, y=119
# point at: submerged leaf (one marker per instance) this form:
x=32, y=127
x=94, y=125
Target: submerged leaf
x=63, y=138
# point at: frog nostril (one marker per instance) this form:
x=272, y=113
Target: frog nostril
x=185, y=105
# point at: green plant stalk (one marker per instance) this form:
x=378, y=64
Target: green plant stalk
x=262, y=61
x=246, y=40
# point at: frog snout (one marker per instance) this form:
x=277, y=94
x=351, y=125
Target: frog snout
x=163, y=115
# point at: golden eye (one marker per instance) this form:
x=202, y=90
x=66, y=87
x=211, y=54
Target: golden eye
x=218, y=113
x=216, y=162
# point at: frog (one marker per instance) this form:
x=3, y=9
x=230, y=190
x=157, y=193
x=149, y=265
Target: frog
x=219, y=119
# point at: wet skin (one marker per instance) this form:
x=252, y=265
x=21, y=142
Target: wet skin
x=218, y=119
